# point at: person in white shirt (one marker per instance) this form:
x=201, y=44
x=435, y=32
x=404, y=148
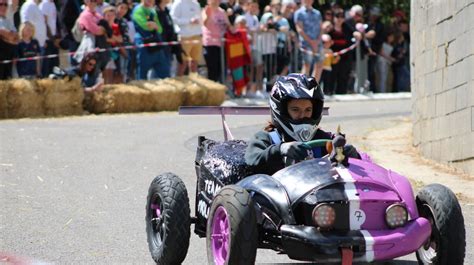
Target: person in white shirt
x=187, y=19
x=12, y=8
x=30, y=12
x=101, y=5
x=48, y=8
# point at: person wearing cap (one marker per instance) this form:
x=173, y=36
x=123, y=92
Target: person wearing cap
x=308, y=24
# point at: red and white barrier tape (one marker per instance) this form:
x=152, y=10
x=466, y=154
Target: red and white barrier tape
x=341, y=52
x=167, y=43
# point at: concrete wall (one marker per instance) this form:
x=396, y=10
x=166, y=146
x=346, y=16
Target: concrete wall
x=442, y=77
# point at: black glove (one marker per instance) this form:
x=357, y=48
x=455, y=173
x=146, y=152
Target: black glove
x=294, y=150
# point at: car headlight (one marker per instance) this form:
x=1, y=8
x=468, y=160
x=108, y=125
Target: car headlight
x=396, y=215
x=324, y=215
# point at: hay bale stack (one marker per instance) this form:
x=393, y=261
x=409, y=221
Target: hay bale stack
x=62, y=97
x=215, y=91
x=165, y=96
x=3, y=99
x=24, y=99
x=195, y=95
x=120, y=99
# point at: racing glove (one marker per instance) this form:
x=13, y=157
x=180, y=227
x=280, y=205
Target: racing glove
x=294, y=150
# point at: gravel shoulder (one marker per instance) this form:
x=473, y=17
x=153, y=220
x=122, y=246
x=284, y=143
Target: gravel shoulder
x=392, y=148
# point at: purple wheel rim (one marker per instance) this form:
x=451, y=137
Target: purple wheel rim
x=157, y=220
x=220, y=235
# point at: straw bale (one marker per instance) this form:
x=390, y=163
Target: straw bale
x=119, y=99
x=166, y=97
x=3, y=99
x=62, y=97
x=216, y=92
x=195, y=94
x=24, y=99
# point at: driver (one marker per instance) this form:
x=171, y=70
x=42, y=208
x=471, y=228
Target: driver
x=296, y=104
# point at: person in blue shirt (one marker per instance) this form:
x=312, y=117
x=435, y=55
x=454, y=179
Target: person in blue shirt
x=308, y=25
x=28, y=47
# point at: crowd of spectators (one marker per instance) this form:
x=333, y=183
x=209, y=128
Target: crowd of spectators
x=283, y=36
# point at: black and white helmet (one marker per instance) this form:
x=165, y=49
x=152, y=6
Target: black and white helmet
x=296, y=86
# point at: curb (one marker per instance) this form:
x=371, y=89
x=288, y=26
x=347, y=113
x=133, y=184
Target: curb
x=334, y=98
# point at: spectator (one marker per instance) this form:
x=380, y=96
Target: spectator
x=49, y=10
x=215, y=23
x=401, y=72
x=384, y=60
x=68, y=14
x=287, y=12
x=101, y=5
x=375, y=24
x=113, y=39
x=328, y=15
x=94, y=34
x=308, y=24
x=284, y=44
x=12, y=9
x=256, y=69
x=148, y=30
x=122, y=22
x=329, y=59
x=326, y=27
x=232, y=9
x=238, y=55
x=363, y=34
x=91, y=77
x=268, y=42
x=30, y=12
x=169, y=33
x=186, y=15
x=8, y=41
x=341, y=36
x=28, y=47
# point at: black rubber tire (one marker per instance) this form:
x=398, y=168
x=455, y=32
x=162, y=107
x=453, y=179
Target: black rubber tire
x=243, y=224
x=439, y=204
x=172, y=195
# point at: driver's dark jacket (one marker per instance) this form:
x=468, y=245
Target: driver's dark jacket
x=264, y=157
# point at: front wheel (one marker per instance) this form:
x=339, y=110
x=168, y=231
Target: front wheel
x=232, y=228
x=168, y=219
x=447, y=243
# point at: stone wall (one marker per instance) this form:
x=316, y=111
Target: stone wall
x=442, y=77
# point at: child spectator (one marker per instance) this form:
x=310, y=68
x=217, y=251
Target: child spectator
x=238, y=55
x=326, y=27
x=329, y=60
x=384, y=60
x=115, y=39
x=123, y=60
x=28, y=47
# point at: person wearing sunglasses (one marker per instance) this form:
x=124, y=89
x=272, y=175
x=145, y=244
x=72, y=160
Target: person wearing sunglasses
x=91, y=77
x=8, y=41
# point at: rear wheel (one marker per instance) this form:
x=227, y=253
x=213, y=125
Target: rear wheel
x=447, y=243
x=232, y=228
x=168, y=219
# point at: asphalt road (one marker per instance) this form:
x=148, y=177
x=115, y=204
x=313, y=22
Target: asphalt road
x=73, y=190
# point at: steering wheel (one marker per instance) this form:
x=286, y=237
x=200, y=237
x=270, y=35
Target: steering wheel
x=312, y=144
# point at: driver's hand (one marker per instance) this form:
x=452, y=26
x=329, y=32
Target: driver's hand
x=294, y=150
